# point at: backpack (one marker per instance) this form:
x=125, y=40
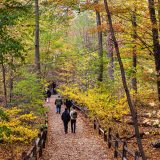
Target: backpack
x=74, y=115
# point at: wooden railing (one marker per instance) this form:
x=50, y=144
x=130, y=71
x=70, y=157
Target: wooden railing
x=119, y=146
x=36, y=150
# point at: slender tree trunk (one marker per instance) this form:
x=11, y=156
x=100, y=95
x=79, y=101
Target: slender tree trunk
x=131, y=106
x=156, y=45
x=11, y=81
x=110, y=56
x=159, y=14
x=37, y=53
x=134, y=52
x=11, y=84
x=100, y=45
x=4, y=83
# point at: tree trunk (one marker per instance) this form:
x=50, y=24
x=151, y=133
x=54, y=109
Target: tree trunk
x=131, y=106
x=110, y=56
x=159, y=14
x=4, y=83
x=134, y=52
x=37, y=53
x=11, y=84
x=100, y=45
x=156, y=45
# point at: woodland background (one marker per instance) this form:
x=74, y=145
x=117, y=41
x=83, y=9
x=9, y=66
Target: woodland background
x=76, y=49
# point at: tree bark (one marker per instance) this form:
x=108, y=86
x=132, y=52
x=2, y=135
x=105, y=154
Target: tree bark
x=37, y=52
x=11, y=84
x=100, y=45
x=134, y=52
x=4, y=83
x=110, y=56
x=159, y=14
x=131, y=106
x=11, y=80
x=156, y=45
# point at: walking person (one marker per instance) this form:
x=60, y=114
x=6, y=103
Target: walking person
x=68, y=104
x=65, y=118
x=73, y=115
x=58, y=103
x=48, y=93
x=54, y=87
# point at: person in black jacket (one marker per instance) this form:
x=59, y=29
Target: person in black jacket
x=48, y=93
x=65, y=118
x=68, y=104
x=54, y=87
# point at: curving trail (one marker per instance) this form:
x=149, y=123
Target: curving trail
x=85, y=144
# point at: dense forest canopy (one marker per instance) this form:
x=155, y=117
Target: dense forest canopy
x=75, y=44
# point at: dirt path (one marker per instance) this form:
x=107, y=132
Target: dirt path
x=85, y=144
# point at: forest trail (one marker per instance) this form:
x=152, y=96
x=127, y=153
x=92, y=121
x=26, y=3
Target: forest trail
x=85, y=144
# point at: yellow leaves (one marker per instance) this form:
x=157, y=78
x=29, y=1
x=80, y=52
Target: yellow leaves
x=28, y=117
x=17, y=129
x=12, y=123
x=13, y=111
x=104, y=105
x=57, y=44
x=21, y=134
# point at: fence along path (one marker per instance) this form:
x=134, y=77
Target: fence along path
x=85, y=144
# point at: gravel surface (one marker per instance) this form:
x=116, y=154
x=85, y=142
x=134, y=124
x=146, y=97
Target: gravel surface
x=85, y=144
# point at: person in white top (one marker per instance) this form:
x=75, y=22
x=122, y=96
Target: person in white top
x=73, y=115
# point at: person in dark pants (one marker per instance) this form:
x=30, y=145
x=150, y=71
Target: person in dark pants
x=58, y=103
x=48, y=93
x=54, y=87
x=73, y=115
x=65, y=118
x=68, y=104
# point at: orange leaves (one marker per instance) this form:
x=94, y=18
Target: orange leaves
x=118, y=27
x=117, y=9
x=99, y=28
x=104, y=27
x=92, y=6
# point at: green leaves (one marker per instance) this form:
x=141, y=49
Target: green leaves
x=3, y=115
x=28, y=91
x=4, y=131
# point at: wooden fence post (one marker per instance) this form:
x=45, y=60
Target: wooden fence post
x=109, y=138
x=24, y=156
x=40, y=148
x=94, y=124
x=46, y=122
x=99, y=131
x=105, y=136
x=35, y=151
x=40, y=142
x=116, y=146
x=44, y=138
x=124, y=151
x=136, y=155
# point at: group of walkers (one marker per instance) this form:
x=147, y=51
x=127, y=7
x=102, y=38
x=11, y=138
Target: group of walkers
x=68, y=114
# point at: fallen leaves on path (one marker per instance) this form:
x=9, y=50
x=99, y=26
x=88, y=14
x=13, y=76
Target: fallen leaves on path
x=85, y=144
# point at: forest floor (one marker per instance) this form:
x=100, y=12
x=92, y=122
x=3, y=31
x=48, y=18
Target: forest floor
x=85, y=144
